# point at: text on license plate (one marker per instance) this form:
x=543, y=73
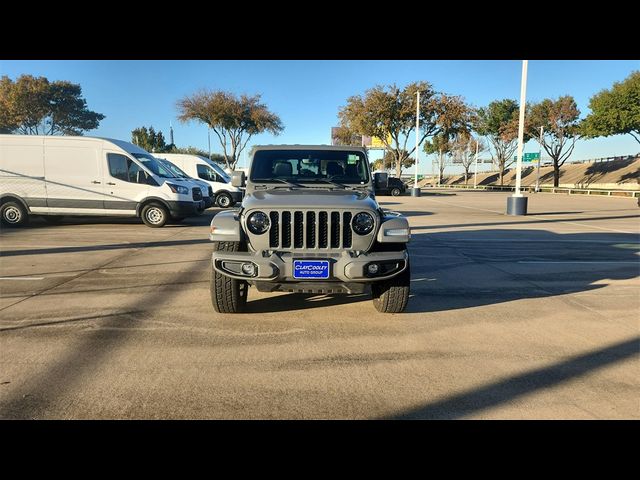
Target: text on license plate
x=311, y=269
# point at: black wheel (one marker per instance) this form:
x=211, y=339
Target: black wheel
x=228, y=295
x=154, y=215
x=13, y=214
x=391, y=296
x=395, y=192
x=224, y=200
x=55, y=219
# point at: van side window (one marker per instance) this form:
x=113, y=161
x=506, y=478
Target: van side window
x=207, y=173
x=123, y=168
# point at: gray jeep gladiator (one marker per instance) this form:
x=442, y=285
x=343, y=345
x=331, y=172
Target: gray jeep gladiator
x=309, y=223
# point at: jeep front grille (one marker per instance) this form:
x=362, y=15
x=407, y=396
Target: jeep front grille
x=196, y=193
x=310, y=230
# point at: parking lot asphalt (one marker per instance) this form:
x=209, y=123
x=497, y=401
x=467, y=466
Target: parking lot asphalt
x=509, y=317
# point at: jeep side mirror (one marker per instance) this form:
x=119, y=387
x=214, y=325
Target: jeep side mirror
x=237, y=179
x=381, y=180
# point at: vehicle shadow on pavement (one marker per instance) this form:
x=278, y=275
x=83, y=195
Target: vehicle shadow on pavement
x=471, y=268
x=504, y=391
x=301, y=301
x=110, y=246
x=39, y=222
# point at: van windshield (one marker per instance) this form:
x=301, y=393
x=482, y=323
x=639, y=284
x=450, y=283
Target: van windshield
x=154, y=165
x=172, y=168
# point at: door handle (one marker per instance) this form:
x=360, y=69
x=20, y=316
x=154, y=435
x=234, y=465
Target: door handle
x=95, y=181
x=110, y=183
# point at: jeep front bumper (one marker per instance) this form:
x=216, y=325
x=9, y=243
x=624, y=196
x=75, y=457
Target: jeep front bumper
x=278, y=267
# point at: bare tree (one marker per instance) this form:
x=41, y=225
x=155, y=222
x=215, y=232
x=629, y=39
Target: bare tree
x=463, y=151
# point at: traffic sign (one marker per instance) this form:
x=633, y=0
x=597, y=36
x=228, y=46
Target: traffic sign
x=528, y=157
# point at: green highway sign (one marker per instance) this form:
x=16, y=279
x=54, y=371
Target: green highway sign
x=529, y=157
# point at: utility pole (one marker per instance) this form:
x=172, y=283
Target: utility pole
x=539, y=160
x=416, y=190
x=475, y=173
x=517, y=203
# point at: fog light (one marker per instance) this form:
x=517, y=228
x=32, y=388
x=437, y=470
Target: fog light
x=249, y=269
x=373, y=268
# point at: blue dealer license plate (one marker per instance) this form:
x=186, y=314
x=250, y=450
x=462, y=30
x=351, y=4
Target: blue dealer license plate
x=311, y=269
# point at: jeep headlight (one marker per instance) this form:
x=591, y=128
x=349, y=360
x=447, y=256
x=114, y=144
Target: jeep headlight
x=258, y=223
x=178, y=189
x=363, y=223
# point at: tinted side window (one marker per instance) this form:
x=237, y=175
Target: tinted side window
x=136, y=174
x=123, y=168
x=206, y=173
x=118, y=166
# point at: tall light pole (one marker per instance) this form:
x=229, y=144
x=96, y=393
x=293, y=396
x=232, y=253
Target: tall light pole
x=517, y=203
x=475, y=173
x=539, y=160
x=416, y=189
x=209, y=139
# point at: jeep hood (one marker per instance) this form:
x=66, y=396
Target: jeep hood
x=309, y=198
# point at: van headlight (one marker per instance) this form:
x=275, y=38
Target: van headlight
x=363, y=223
x=258, y=223
x=178, y=189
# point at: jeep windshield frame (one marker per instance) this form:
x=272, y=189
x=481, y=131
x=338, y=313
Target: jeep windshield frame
x=310, y=166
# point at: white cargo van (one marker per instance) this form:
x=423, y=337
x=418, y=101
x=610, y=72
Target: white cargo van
x=56, y=176
x=201, y=167
x=207, y=192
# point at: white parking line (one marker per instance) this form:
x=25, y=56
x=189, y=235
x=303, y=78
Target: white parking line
x=599, y=228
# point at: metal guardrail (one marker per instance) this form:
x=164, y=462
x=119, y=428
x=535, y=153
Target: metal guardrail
x=608, y=159
x=566, y=190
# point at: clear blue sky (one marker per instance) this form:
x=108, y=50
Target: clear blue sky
x=307, y=94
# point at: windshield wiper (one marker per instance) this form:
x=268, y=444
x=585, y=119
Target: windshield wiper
x=291, y=184
x=327, y=180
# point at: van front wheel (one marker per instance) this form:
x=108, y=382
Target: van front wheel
x=13, y=214
x=154, y=215
x=224, y=200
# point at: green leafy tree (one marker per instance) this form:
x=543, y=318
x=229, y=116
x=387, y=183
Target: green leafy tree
x=234, y=119
x=36, y=106
x=441, y=146
x=389, y=113
x=342, y=135
x=149, y=139
x=560, y=119
x=615, y=111
x=499, y=123
x=388, y=160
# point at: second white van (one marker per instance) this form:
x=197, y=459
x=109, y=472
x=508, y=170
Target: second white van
x=226, y=195
x=56, y=176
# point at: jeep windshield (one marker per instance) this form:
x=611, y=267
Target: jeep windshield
x=323, y=167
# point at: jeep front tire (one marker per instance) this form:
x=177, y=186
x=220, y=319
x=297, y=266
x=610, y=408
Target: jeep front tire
x=228, y=295
x=391, y=296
